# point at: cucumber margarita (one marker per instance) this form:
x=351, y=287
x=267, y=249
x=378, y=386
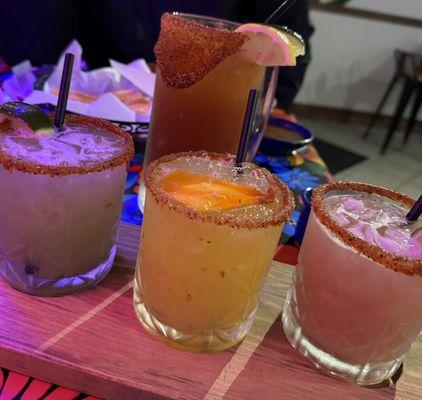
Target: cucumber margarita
x=60, y=202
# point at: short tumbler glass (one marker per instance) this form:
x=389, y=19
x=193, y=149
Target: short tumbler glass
x=58, y=222
x=199, y=275
x=353, y=308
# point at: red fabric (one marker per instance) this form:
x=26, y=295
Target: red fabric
x=14, y=384
x=62, y=394
x=36, y=390
x=287, y=254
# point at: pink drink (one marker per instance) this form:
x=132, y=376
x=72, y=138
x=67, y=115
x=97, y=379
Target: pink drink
x=60, y=204
x=378, y=221
x=355, y=304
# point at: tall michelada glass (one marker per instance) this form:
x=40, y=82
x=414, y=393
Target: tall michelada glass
x=205, y=70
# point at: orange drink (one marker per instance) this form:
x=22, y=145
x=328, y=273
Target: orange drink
x=208, y=237
x=202, y=86
x=207, y=115
x=206, y=68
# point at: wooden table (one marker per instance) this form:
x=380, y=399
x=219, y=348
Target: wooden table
x=92, y=342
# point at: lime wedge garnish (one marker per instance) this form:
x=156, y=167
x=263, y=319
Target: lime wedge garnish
x=271, y=46
x=26, y=119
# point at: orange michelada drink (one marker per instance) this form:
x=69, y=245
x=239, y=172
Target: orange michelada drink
x=209, y=233
x=206, y=67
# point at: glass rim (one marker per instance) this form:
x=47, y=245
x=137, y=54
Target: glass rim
x=393, y=261
x=173, y=26
x=195, y=17
x=280, y=216
x=10, y=163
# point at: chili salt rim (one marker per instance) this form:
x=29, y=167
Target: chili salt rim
x=171, y=23
x=10, y=163
x=395, y=262
x=163, y=199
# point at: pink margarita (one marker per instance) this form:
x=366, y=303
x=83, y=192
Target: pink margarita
x=377, y=220
x=354, y=307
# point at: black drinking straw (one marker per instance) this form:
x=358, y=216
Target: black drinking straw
x=279, y=11
x=64, y=90
x=415, y=211
x=247, y=126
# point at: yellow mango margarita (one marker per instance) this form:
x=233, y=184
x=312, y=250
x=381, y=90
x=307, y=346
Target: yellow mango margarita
x=208, y=238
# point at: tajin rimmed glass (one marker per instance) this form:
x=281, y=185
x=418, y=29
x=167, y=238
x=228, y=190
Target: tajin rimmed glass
x=199, y=276
x=208, y=114
x=353, y=308
x=58, y=222
x=13, y=163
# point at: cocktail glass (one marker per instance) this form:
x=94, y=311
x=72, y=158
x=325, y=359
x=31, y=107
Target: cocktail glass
x=60, y=204
x=208, y=114
x=199, y=273
x=353, y=308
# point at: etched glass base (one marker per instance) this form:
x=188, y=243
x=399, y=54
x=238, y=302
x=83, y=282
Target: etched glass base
x=27, y=281
x=201, y=342
x=365, y=375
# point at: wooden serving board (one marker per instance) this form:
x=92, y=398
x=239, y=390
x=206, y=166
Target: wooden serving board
x=92, y=342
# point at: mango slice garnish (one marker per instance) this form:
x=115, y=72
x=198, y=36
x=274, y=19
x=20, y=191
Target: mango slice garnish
x=205, y=194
